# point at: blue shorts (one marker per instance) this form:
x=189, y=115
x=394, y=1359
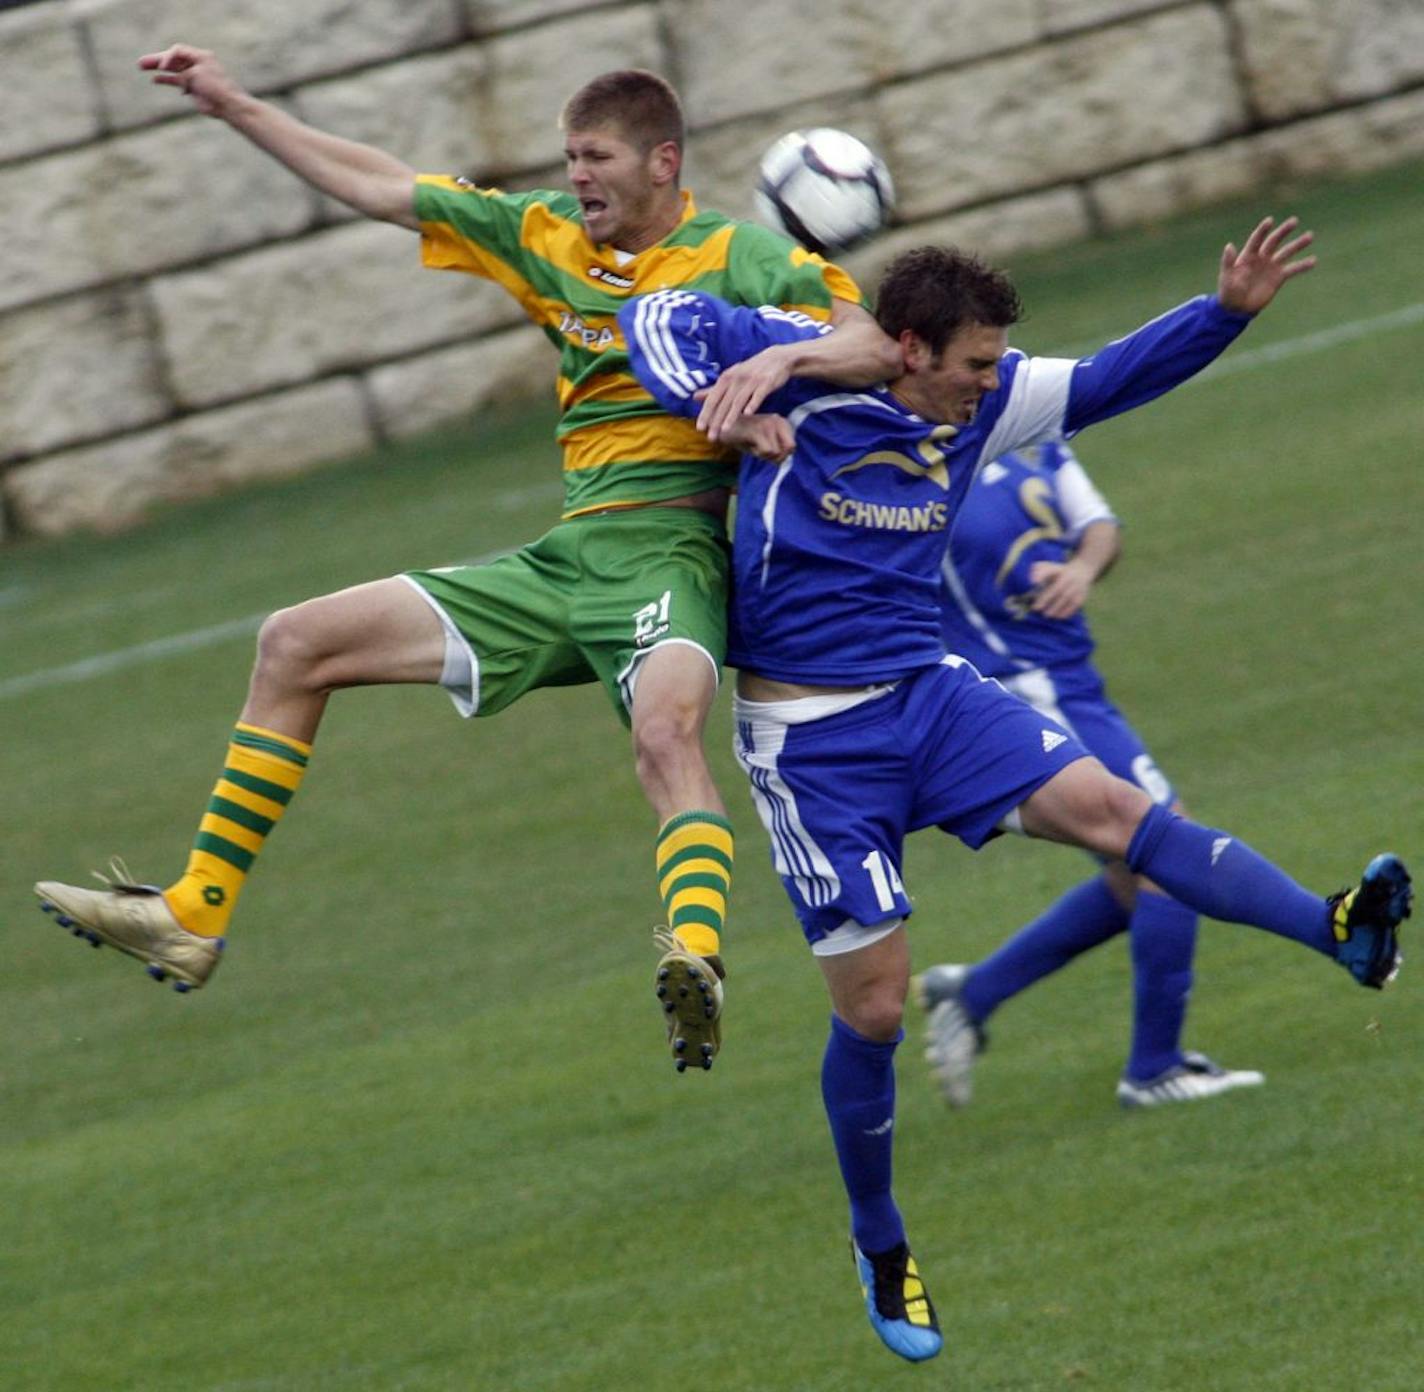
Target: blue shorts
x=1073, y=694
x=837, y=795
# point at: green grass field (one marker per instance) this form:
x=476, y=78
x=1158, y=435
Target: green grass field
x=421, y=1136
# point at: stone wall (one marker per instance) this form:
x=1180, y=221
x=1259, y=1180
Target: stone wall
x=178, y=313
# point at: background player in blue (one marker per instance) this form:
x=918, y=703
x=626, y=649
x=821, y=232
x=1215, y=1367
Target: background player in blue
x=854, y=726
x=1030, y=541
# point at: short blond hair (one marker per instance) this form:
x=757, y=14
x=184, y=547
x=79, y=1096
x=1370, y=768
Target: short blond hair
x=643, y=106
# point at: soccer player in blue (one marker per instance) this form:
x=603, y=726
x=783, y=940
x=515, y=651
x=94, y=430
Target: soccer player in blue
x=1031, y=539
x=853, y=724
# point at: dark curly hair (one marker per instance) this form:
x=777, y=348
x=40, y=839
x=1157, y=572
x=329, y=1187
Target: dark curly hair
x=935, y=291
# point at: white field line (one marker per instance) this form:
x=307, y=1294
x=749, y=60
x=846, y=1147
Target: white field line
x=1317, y=342
x=103, y=664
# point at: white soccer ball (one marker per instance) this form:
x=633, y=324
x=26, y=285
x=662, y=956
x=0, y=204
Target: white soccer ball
x=825, y=188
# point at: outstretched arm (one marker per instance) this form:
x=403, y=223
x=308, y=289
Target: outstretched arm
x=365, y=178
x=1164, y=353
x=858, y=354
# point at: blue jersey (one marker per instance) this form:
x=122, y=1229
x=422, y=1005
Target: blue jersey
x=1022, y=508
x=837, y=551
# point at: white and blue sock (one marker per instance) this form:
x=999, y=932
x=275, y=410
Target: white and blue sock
x=1224, y=878
x=858, y=1087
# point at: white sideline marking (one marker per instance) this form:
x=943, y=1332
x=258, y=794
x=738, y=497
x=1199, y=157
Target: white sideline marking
x=104, y=663
x=1311, y=343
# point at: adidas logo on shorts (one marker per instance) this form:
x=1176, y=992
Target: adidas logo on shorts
x=1052, y=739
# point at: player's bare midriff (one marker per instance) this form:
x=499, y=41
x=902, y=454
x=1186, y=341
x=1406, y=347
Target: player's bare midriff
x=713, y=500
x=751, y=687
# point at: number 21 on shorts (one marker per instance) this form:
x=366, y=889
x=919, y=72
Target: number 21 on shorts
x=651, y=621
x=884, y=880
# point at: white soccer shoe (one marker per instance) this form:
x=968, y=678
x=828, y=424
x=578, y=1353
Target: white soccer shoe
x=953, y=1040
x=1196, y=1078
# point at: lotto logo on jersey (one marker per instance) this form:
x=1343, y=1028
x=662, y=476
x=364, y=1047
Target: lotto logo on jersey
x=609, y=278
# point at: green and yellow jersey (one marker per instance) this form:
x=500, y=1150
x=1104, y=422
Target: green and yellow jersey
x=620, y=449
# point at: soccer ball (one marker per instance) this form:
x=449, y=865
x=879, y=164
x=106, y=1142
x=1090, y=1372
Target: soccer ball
x=825, y=188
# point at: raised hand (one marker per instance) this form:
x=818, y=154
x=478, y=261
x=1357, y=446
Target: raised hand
x=1249, y=279
x=196, y=72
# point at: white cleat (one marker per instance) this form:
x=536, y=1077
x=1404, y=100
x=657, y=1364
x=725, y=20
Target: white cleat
x=953, y=1040
x=1190, y=1081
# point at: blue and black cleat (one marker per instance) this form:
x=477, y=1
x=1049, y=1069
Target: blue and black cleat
x=1365, y=921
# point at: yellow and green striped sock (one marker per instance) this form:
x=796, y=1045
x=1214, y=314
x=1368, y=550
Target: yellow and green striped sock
x=694, y=860
x=262, y=772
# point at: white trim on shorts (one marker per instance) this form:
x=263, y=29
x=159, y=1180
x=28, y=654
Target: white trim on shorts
x=628, y=678
x=1035, y=687
x=851, y=936
x=460, y=674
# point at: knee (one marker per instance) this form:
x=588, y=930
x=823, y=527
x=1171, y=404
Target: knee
x=288, y=648
x=664, y=735
x=1109, y=814
x=876, y=1013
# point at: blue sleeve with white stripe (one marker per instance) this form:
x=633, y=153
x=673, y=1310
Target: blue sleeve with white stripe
x=1150, y=361
x=679, y=341
x=1043, y=399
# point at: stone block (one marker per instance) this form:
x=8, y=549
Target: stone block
x=1061, y=111
x=532, y=73
x=1343, y=142
x=484, y=109
x=142, y=201
x=268, y=45
x=837, y=48
x=1303, y=55
x=994, y=232
x=41, y=56
x=427, y=111
x=108, y=487
x=418, y=394
x=343, y=298
x=487, y=17
x=1064, y=16
x=76, y=369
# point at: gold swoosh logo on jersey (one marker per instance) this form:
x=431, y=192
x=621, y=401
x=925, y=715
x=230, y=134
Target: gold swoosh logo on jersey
x=931, y=464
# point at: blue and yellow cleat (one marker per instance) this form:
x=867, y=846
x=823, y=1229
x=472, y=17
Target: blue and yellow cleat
x=898, y=1303
x=1365, y=921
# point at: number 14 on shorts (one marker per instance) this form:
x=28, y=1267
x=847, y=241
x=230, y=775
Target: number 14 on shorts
x=884, y=879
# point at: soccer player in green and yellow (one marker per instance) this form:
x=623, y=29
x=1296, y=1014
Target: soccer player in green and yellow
x=628, y=590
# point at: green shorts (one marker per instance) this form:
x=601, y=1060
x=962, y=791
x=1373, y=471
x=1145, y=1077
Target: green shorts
x=586, y=602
